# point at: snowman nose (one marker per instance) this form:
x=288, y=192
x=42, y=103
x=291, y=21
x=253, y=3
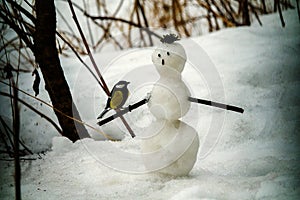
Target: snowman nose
x=162, y=61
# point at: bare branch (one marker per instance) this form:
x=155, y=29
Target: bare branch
x=36, y=111
x=104, y=86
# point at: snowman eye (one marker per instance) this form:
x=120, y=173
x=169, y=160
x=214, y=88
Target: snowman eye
x=168, y=53
x=158, y=55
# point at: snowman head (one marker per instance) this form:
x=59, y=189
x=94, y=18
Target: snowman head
x=169, y=55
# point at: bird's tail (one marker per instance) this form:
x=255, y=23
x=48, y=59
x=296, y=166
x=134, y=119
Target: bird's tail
x=103, y=113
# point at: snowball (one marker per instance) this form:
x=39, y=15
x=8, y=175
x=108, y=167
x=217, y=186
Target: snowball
x=170, y=55
x=169, y=99
x=173, y=148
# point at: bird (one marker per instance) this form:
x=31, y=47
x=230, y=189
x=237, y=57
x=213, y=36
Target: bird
x=117, y=98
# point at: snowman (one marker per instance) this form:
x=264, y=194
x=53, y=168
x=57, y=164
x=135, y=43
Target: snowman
x=168, y=102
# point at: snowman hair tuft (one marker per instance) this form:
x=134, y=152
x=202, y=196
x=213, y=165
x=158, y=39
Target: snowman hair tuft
x=169, y=38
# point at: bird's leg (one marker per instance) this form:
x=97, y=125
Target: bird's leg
x=148, y=97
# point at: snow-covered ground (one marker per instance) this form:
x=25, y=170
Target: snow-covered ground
x=254, y=155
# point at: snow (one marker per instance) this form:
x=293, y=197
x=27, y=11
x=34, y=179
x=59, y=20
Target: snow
x=254, y=155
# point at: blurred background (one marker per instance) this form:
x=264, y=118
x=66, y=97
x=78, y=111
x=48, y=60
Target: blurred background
x=113, y=24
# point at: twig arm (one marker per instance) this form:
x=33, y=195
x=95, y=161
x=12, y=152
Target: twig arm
x=216, y=104
x=122, y=112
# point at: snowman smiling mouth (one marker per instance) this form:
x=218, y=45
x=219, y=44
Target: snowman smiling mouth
x=162, y=61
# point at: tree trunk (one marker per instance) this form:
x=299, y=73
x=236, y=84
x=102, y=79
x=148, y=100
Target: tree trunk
x=245, y=12
x=55, y=83
x=264, y=6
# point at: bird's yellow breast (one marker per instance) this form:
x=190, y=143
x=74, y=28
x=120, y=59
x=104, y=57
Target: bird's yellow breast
x=116, y=99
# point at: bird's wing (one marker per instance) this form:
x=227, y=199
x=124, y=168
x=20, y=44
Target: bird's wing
x=116, y=99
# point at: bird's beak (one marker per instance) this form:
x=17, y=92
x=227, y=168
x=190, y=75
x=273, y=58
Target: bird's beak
x=127, y=82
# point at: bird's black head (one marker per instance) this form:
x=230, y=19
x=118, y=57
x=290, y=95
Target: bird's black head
x=122, y=84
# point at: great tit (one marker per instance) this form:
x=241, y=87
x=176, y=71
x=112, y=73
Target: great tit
x=117, y=98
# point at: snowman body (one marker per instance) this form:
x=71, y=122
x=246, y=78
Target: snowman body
x=169, y=98
x=168, y=103
x=178, y=143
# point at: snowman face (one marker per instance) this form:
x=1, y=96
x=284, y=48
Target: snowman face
x=169, y=56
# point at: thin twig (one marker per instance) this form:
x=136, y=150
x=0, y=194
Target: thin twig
x=16, y=126
x=145, y=20
x=49, y=105
x=139, y=21
x=22, y=10
x=8, y=148
x=21, y=159
x=19, y=61
x=76, y=54
x=17, y=29
x=264, y=6
x=255, y=13
x=36, y=111
x=88, y=25
x=8, y=131
x=118, y=8
x=124, y=21
x=106, y=90
x=298, y=9
x=6, y=43
x=65, y=21
x=280, y=14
